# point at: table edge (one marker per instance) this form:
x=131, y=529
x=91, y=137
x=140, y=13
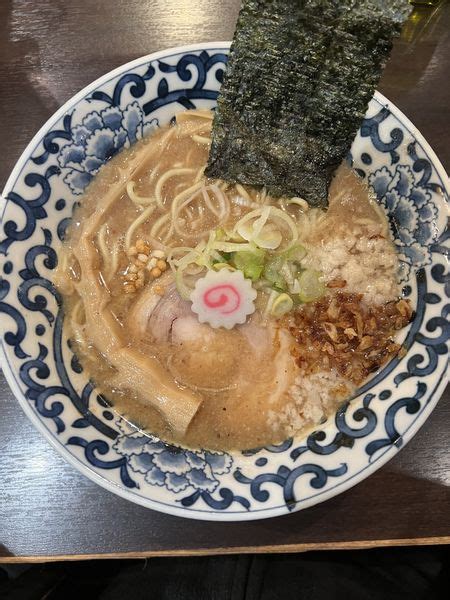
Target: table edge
x=217, y=551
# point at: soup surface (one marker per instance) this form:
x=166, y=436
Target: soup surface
x=321, y=286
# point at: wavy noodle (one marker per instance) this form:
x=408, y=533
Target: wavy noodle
x=262, y=197
x=139, y=200
x=101, y=242
x=165, y=178
x=62, y=277
x=187, y=160
x=77, y=322
x=243, y=202
x=114, y=265
x=221, y=214
x=179, y=187
x=200, y=174
x=209, y=204
x=63, y=259
x=243, y=192
x=161, y=225
x=186, y=193
x=298, y=202
x=110, y=258
x=200, y=139
x=163, y=142
x=78, y=314
x=135, y=224
x=78, y=335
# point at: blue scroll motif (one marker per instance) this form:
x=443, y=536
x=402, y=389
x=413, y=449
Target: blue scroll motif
x=33, y=209
x=13, y=339
x=411, y=405
x=434, y=345
x=137, y=89
x=95, y=447
x=286, y=478
x=196, y=90
x=346, y=435
x=32, y=279
x=50, y=146
x=370, y=128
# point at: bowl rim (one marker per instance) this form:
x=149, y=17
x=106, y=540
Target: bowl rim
x=204, y=514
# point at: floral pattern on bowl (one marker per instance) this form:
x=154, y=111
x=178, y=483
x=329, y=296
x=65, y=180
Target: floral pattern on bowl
x=100, y=135
x=57, y=395
x=169, y=466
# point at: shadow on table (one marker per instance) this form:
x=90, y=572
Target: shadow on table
x=378, y=499
x=417, y=573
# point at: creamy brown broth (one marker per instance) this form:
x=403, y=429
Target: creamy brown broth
x=241, y=377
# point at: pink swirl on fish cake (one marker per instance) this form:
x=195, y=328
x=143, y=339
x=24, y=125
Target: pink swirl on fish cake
x=217, y=297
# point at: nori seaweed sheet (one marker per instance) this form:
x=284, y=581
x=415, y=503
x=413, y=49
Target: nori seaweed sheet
x=299, y=78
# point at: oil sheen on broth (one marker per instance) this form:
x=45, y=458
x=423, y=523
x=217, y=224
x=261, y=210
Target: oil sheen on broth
x=138, y=338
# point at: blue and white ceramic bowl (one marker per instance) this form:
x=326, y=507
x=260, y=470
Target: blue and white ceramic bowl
x=56, y=394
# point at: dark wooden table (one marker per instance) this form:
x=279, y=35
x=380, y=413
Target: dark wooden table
x=49, y=49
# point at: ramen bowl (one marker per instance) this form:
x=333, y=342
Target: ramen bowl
x=57, y=395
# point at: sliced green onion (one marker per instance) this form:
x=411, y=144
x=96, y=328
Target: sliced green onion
x=253, y=214
x=231, y=247
x=250, y=263
x=269, y=238
x=311, y=286
x=221, y=234
x=281, y=305
x=286, y=272
x=296, y=253
x=272, y=297
x=250, y=232
x=223, y=265
x=272, y=272
x=289, y=221
x=295, y=287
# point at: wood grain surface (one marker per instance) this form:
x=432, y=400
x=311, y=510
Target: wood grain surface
x=49, y=49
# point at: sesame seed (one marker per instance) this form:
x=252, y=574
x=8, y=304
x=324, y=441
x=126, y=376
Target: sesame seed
x=158, y=254
x=142, y=257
